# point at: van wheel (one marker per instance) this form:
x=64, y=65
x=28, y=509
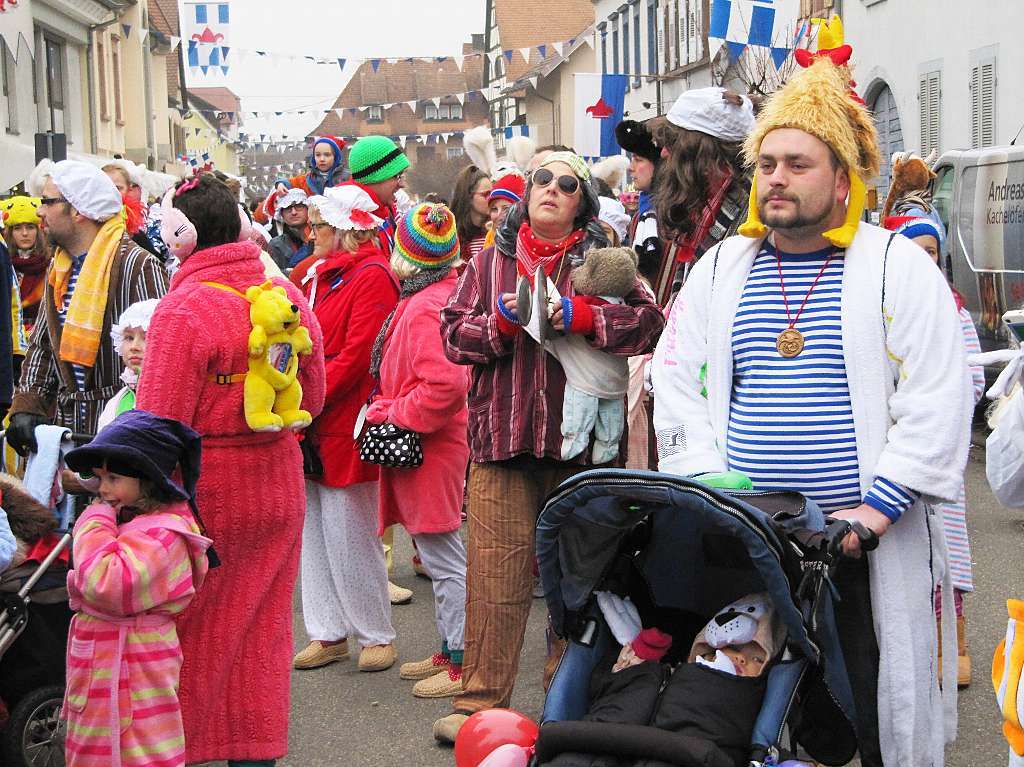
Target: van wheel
x=35, y=734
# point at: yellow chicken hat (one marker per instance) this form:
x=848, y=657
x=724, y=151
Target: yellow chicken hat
x=819, y=100
x=20, y=210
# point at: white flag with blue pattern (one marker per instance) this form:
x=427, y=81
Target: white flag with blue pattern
x=738, y=24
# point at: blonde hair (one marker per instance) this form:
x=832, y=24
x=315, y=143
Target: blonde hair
x=403, y=268
x=115, y=168
x=351, y=239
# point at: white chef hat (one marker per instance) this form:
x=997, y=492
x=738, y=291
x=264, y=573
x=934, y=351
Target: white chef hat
x=87, y=188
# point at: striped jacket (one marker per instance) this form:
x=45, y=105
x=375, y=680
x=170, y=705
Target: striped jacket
x=124, y=658
x=48, y=385
x=515, y=400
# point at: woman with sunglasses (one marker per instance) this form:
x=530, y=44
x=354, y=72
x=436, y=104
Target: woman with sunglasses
x=515, y=408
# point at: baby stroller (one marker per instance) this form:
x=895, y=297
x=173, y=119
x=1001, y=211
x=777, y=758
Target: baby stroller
x=681, y=551
x=34, y=623
x=35, y=619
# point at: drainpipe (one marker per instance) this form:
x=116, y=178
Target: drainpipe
x=147, y=83
x=89, y=59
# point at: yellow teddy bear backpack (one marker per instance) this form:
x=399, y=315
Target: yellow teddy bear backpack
x=1007, y=664
x=273, y=394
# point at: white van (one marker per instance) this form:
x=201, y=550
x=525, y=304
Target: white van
x=979, y=194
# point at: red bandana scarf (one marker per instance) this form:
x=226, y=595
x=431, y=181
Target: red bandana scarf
x=532, y=252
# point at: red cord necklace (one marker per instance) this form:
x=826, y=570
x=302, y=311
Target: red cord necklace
x=790, y=342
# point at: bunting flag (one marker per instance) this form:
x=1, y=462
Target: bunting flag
x=16, y=30
x=767, y=24
x=206, y=26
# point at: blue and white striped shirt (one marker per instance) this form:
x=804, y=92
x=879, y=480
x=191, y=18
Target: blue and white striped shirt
x=791, y=420
x=62, y=313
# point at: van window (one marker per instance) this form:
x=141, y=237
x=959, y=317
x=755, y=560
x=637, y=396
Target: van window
x=990, y=220
x=942, y=197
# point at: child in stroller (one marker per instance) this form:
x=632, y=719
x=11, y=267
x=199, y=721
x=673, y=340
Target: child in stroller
x=681, y=550
x=715, y=695
x=34, y=621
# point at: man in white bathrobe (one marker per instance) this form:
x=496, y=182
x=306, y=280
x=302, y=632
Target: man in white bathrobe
x=824, y=355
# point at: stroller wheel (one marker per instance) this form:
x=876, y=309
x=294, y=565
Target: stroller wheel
x=35, y=734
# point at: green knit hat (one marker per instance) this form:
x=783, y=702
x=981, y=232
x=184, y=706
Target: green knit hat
x=373, y=159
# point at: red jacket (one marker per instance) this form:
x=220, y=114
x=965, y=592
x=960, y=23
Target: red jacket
x=354, y=294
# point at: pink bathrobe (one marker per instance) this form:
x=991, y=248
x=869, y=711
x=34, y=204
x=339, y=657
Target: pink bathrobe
x=424, y=392
x=237, y=636
x=129, y=582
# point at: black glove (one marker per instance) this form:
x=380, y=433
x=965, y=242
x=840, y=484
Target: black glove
x=21, y=434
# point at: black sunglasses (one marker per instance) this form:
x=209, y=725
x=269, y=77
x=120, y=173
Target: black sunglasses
x=566, y=184
x=51, y=200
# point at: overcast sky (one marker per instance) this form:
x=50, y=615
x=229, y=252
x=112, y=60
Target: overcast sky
x=350, y=29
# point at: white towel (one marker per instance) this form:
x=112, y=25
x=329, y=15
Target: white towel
x=42, y=473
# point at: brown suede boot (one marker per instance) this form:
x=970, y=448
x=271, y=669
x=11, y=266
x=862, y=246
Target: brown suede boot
x=963, y=660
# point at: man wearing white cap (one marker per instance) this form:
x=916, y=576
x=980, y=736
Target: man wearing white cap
x=72, y=368
x=701, y=189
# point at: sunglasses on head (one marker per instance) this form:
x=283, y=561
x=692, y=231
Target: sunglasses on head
x=566, y=184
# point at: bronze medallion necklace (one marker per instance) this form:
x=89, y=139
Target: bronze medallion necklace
x=790, y=342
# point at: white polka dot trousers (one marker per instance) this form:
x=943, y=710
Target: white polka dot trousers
x=344, y=579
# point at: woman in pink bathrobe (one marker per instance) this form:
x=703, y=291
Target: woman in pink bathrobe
x=237, y=635
x=420, y=390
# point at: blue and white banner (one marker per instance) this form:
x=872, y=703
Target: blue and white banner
x=598, y=109
x=737, y=24
x=206, y=27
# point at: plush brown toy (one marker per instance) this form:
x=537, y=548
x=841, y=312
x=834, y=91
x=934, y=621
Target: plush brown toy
x=911, y=177
x=29, y=519
x=606, y=272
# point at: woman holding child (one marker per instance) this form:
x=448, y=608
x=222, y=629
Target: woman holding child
x=516, y=407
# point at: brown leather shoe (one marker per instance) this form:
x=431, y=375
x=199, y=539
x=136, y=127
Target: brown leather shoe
x=377, y=657
x=317, y=654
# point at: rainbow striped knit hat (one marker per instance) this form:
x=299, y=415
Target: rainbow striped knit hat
x=427, y=237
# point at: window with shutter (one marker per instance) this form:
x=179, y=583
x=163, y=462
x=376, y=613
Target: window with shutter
x=929, y=97
x=983, y=104
x=694, y=31
x=653, y=37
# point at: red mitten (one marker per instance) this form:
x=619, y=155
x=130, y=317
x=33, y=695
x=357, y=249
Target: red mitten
x=582, y=319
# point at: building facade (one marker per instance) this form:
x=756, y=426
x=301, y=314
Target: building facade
x=427, y=105
x=937, y=79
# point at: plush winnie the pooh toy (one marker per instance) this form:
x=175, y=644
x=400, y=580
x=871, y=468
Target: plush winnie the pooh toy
x=273, y=394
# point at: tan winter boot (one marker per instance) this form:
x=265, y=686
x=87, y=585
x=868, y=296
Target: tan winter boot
x=963, y=660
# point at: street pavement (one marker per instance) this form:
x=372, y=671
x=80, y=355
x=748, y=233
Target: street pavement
x=344, y=718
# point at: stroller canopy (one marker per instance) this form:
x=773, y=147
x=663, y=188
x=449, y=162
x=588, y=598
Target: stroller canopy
x=703, y=549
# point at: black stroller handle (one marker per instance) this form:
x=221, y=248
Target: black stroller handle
x=836, y=531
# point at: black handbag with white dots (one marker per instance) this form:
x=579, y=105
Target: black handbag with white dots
x=388, y=445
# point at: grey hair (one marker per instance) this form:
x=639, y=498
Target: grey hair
x=586, y=219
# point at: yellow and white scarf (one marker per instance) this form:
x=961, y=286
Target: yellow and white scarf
x=83, y=326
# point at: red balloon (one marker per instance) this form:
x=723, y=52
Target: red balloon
x=485, y=730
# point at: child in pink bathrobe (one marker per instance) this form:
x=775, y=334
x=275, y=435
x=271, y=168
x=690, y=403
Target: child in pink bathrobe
x=139, y=557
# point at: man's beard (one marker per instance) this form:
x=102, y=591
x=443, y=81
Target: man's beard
x=796, y=220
